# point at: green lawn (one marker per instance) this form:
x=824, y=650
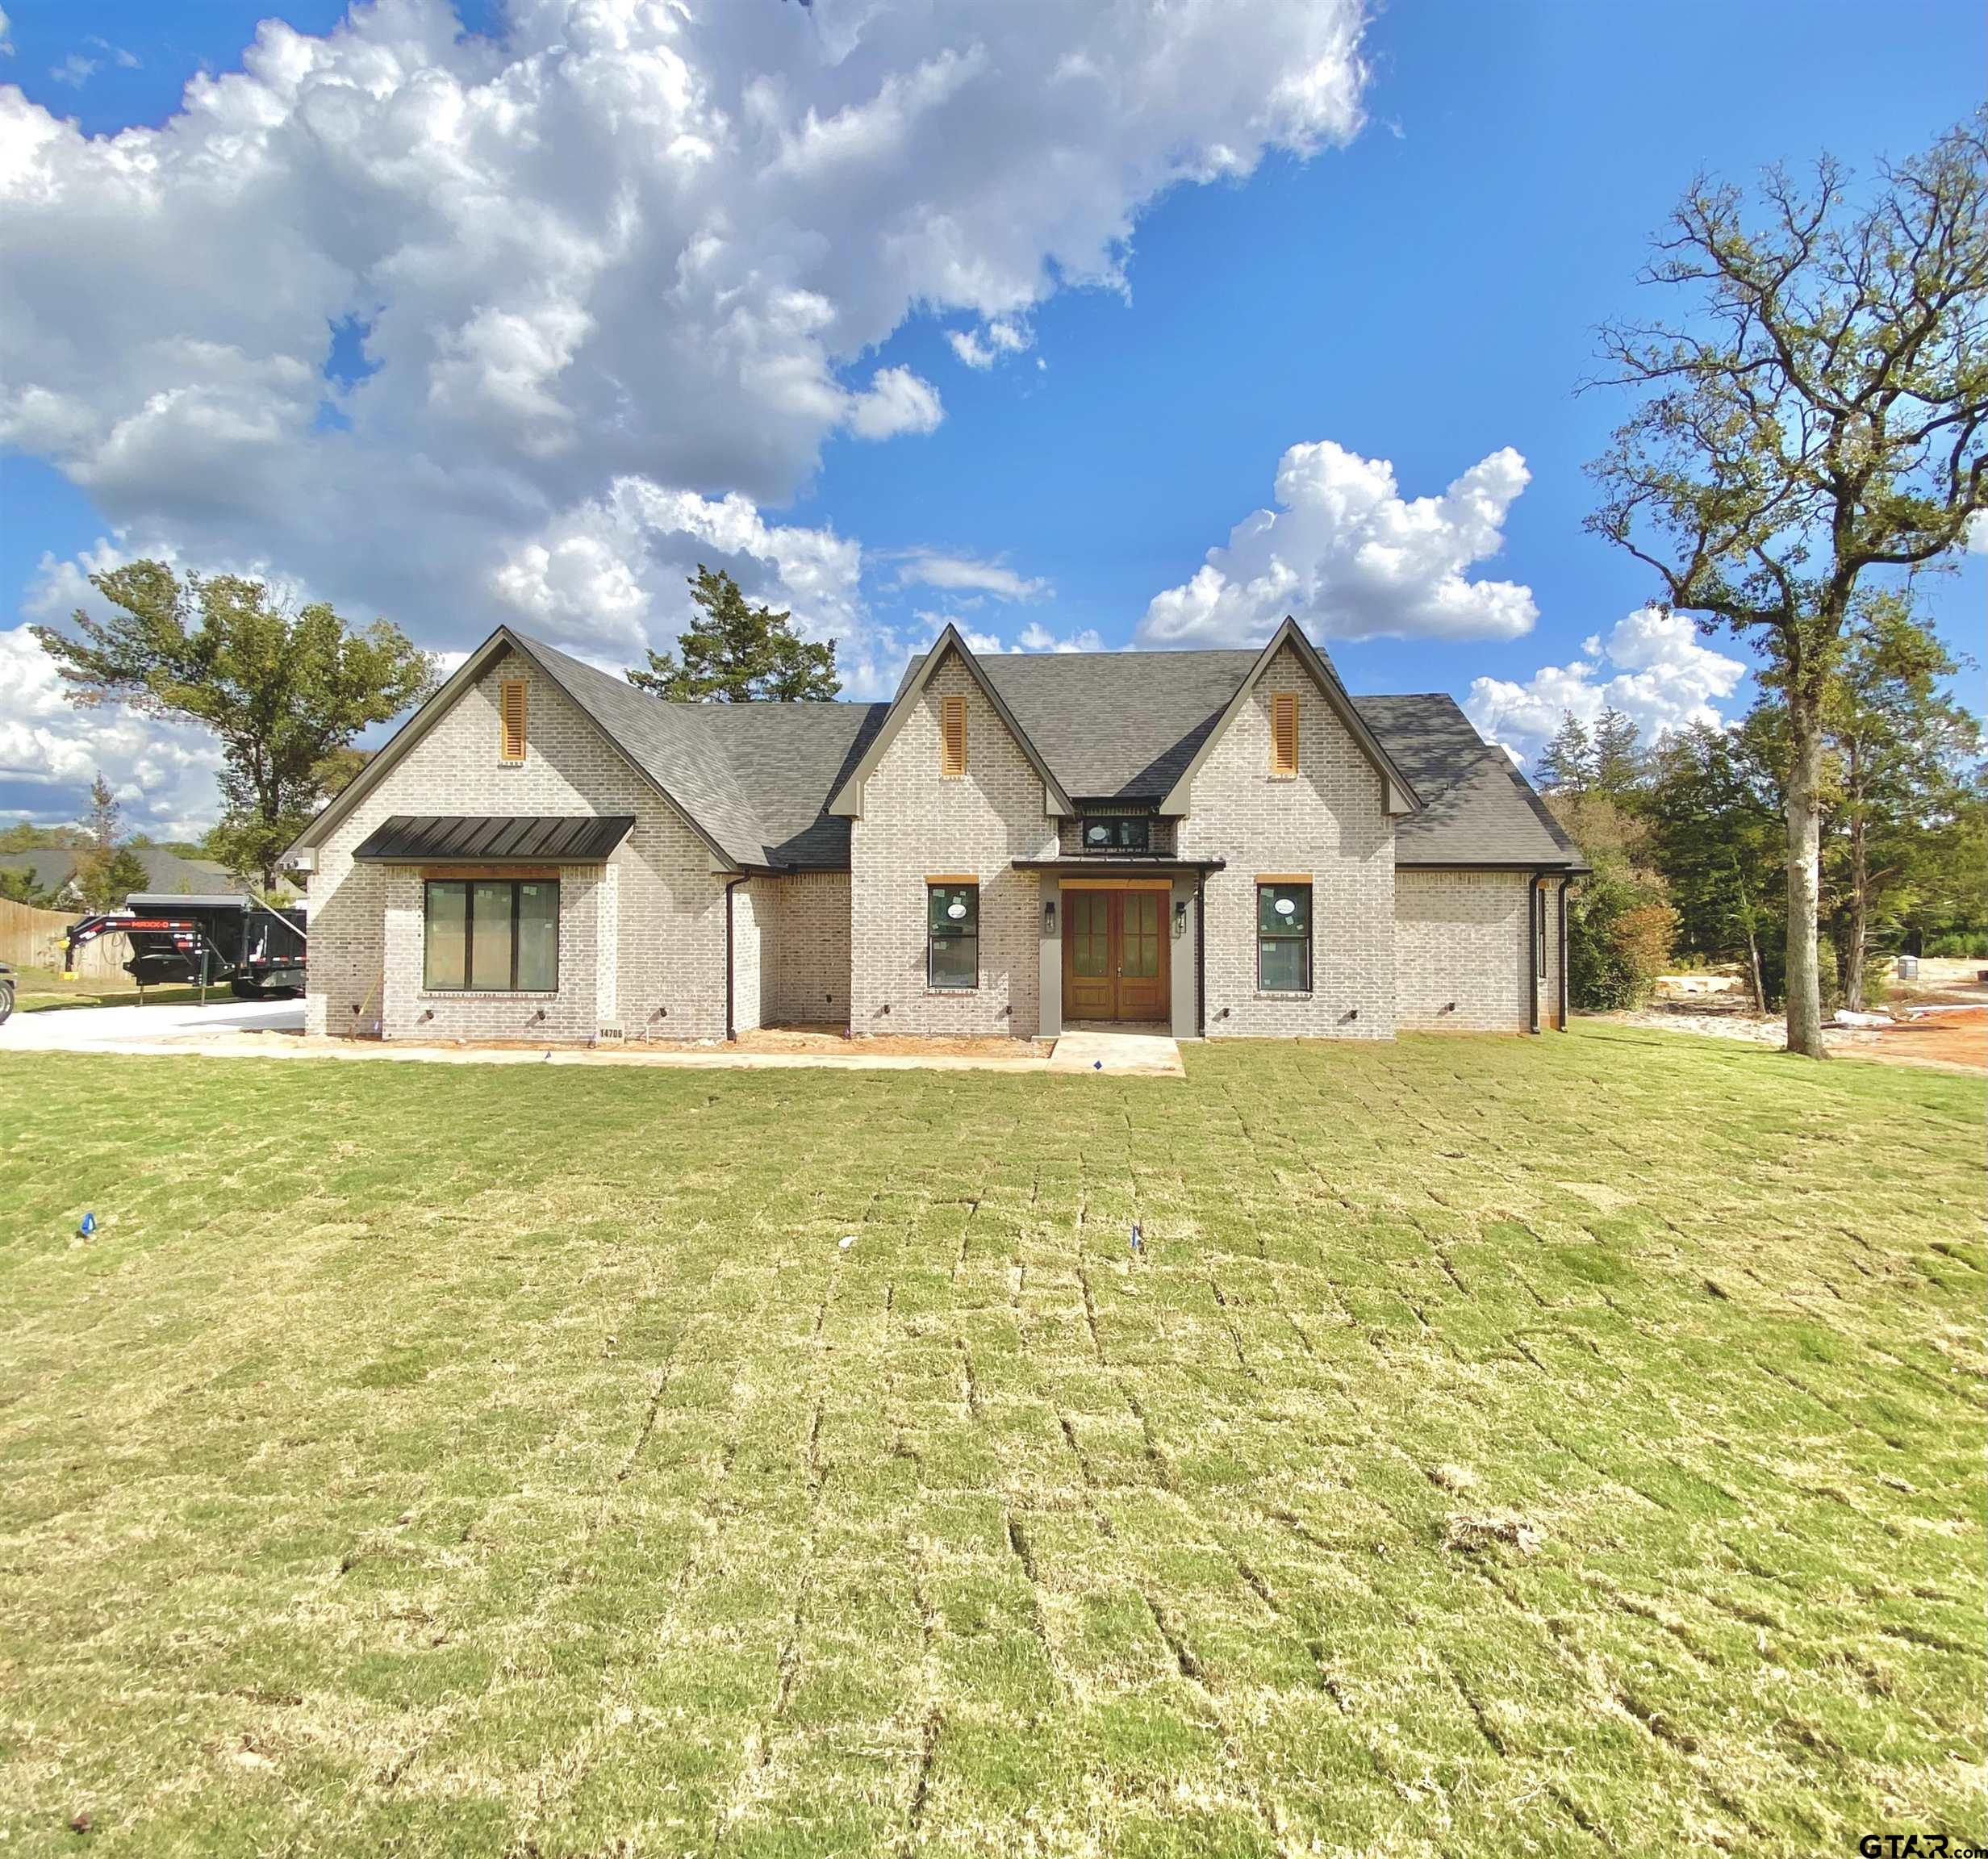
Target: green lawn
x=510, y=1461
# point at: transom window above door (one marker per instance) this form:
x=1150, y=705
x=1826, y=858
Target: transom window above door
x=1118, y=833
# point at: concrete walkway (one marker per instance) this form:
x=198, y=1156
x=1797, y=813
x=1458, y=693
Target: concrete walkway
x=274, y=1030
x=1136, y=1055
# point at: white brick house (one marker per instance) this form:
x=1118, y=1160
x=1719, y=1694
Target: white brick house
x=1223, y=842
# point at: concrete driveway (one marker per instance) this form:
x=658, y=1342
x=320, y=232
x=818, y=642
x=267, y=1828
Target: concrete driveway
x=119, y=1029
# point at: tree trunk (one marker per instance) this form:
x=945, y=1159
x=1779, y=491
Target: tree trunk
x=1860, y=917
x=1804, y=777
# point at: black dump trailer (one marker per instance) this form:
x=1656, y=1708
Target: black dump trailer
x=256, y=949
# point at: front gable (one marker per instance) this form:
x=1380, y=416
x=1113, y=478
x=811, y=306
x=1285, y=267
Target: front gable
x=1301, y=671
x=449, y=757
x=949, y=668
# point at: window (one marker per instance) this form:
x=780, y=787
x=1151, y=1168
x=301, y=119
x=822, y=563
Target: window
x=511, y=716
x=1539, y=930
x=1126, y=832
x=491, y=936
x=952, y=921
x=1283, y=938
x=1284, y=734
x=952, y=735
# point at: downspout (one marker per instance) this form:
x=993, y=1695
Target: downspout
x=732, y=1029
x=1532, y=951
x=1201, y=955
x=1564, y=883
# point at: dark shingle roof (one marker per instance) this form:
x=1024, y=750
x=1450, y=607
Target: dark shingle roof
x=1477, y=808
x=1116, y=725
x=757, y=778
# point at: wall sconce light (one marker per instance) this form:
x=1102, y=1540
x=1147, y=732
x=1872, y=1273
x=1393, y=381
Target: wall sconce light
x=1179, y=918
x=1049, y=916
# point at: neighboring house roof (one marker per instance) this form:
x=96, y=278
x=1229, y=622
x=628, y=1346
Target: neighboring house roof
x=53, y=866
x=758, y=782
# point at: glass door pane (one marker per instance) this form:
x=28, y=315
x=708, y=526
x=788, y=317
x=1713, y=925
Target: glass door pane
x=1090, y=931
x=1140, y=959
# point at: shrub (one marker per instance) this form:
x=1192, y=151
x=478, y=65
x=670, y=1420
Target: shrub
x=1619, y=934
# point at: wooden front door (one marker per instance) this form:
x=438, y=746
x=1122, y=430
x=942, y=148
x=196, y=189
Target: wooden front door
x=1115, y=955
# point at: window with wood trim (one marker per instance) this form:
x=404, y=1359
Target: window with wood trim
x=952, y=919
x=1284, y=734
x=491, y=936
x=511, y=718
x=1283, y=938
x=952, y=735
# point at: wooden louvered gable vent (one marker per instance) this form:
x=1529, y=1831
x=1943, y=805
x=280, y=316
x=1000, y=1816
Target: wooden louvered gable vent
x=1284, y=734
x=510, y=713
x=952, y=735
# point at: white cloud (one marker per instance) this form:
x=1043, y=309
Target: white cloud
x=1352, y=559
x=967, y=574
x=1977, y=533
x=611, y=575
x=617, y=275
x=75, y=70
x=897, y=402
x=1652, y=666
x=982, y=347
x=163, y=774
x=1036, y=637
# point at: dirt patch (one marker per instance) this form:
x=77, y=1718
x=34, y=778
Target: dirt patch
x=1957, y=1041
x=1948, y=1040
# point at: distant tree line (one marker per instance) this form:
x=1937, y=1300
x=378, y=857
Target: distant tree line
x=1687, y=841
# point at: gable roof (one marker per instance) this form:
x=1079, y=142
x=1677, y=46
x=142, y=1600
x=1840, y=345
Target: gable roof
x=1477, y=808
x=1398, y=794
x=847, y=799
x=761, y=783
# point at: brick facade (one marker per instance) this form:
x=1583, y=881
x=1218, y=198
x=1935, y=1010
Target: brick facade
x=642, y=942
x=804, y=922
x=915, y=824
x=655, y=948
x=1461, y=947
x=1329, y=822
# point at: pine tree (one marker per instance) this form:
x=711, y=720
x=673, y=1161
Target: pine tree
x=1618, y=755
x=734, y=653
x=107, y=870
x=1568, y=762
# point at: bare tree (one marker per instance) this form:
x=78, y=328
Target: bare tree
x=1820, y=420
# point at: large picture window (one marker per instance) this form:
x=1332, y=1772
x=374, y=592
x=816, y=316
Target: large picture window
x=491, y=936
x=952, y=942
x=1283, y=938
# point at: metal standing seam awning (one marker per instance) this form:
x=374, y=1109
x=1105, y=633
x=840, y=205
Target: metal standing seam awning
x=509, y=839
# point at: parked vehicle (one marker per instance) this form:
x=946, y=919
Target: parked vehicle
x=256, y=949
x=6, y=992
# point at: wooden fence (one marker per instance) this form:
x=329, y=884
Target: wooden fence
x=31, y=938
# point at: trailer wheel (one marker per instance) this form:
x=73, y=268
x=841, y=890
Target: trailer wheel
x=243, y=988
x=7, y=1001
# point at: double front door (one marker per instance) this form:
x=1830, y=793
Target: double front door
x=1115, y=965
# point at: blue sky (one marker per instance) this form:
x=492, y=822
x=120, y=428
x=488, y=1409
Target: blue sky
x=1423, y=292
